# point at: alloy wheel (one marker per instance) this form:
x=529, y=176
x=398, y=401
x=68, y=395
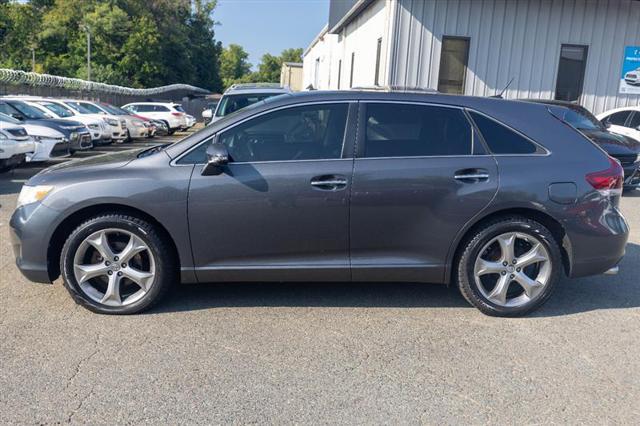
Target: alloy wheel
x=512, y=269
x=114, y=267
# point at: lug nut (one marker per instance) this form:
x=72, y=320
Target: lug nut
x=116, y=258
x=518, y=269
x=512, y=276
x=119, y=274
x=124, y=265
x=504, y=272
x=110, y=272
x=504, y=263
x=514, y=261
x=107, y=263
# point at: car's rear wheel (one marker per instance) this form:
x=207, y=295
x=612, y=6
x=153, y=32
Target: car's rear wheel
x=509, y=267
x=117, y=264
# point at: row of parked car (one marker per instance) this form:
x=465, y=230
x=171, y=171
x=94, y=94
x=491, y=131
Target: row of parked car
x=37, y=129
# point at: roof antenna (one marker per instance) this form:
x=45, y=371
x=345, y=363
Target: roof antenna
x=499, y=95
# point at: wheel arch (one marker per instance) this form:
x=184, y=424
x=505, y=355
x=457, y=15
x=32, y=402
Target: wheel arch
x=553, y=225
x=64, y=229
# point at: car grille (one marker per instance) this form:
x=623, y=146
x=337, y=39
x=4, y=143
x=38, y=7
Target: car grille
x=123, y=124
x=17, y=132
x=85, y=141
x=60, y=149
x=626, y=160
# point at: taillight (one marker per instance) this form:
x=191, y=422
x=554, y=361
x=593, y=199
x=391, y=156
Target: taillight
x=177, y=114
x=609, y=181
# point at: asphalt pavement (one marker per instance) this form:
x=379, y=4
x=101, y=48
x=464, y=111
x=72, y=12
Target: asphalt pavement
x=319, y=352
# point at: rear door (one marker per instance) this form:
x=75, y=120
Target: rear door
x=420, y=175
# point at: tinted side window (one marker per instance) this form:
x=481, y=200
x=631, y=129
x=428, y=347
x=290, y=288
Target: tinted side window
x=634, y=123
x=299, y=133
x=395, y=130
x=159, y=108
x=618, y=118
x=501, y=139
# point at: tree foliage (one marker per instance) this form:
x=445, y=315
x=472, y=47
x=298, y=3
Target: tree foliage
x=136, y=43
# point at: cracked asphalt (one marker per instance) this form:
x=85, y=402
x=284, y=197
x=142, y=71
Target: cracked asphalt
x=319, y=353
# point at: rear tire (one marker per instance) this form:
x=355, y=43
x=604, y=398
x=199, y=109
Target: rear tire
x=509, y=267
x=128, y=274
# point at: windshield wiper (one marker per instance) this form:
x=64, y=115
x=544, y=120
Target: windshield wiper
x=153, y=150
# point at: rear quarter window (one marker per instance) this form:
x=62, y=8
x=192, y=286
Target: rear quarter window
x=500, y=139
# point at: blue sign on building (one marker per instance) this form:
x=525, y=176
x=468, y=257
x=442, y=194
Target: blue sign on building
x=630, y=79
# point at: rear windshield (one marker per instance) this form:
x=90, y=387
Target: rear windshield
x=233, y=103
x=57, y=109
x=78, y=107
x=578, y=117
x=178, y=108
x=29, y=111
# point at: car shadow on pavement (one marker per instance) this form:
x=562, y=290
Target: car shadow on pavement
x=571, y=296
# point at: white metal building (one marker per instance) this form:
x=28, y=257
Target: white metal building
x=564, y=49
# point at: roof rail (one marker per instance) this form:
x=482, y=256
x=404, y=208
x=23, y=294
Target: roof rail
x=406, y=89
x=255, y=86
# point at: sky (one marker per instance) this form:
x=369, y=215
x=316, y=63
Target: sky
x=269, y=26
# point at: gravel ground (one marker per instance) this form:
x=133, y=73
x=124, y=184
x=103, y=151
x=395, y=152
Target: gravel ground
x=319, y=353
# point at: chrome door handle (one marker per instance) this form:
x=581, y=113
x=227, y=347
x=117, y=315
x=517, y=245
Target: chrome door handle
x=472, y=176
x=335, y=182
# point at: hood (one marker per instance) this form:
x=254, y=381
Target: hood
x=39, y=130
x=58, y=124
x=613, y=143
x=77, y=167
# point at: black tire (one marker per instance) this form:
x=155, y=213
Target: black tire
x=165, y=263
x=464, y=272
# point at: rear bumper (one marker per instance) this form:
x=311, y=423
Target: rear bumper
x=594, y=247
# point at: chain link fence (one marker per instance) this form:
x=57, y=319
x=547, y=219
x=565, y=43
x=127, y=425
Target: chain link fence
x=15, y=82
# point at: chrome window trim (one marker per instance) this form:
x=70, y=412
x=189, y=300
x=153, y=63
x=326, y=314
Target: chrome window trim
x=197, y=145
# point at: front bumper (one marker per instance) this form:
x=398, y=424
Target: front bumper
x=29, y=231
x=47, y=149
x=81, y=142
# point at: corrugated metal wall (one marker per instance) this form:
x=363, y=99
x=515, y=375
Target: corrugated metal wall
x=520, y=39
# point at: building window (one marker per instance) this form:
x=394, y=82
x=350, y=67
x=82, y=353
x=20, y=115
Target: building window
x=316, y=76
x=573, y=61
x=353, y=61
x=339, y=72
x=453, y=64
x=378, y=53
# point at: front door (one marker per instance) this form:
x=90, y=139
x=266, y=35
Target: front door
x=420, y=175
x=279, y=210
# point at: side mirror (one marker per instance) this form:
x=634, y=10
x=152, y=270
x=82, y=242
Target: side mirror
x=217, y=156
x=607, y=124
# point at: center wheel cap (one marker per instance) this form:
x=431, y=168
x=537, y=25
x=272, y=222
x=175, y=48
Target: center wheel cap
x=511, y=268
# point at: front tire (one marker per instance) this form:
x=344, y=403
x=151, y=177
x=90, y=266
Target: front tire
x=117, y=264
x=509, y=267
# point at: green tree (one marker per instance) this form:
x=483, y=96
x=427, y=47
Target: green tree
x=291, y=55
x=234, y=64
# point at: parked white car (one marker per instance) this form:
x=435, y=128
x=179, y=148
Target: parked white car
x=207, y=113
x=117, y=126
x=624, y=121
x=190, y=120
x=48, y=143
x=169, y=112
x=136, y=128
x=97, y=127
x=15, y=145
x=241, y=96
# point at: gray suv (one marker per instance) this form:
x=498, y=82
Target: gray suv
x=499, y=198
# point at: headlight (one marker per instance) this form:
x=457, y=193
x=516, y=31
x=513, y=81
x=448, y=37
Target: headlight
x=111, y=121
x=33, y=194
x=94, y=126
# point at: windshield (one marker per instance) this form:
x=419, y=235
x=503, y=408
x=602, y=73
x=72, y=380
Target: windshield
x=57, y=109
x=114, y=110
x=233, y=103
x=29, y=111
x=178, y=108
x=6, y=119
x=80, y=108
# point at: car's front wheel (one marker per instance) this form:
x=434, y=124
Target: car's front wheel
x=117, y=264
x=509, y=266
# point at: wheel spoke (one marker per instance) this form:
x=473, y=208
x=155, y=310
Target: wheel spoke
x=112, y=295
x=133, y=247
x=86, y=272
x=499, y=293
x=530, y=286
x=484, y=267
x=142, y=278
x=507, y=245
x=101, y=243
x=535, y=255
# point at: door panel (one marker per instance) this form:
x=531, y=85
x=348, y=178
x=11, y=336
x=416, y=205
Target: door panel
x=406, y=212
x=268, y=222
